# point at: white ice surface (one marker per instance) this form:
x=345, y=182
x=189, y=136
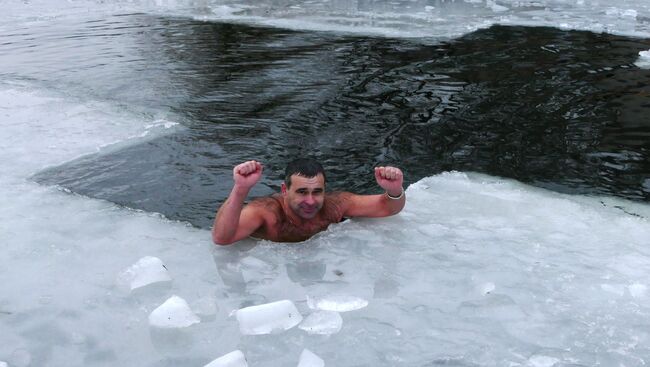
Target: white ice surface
x=309, y=359
x=268, y=318
x=232, y=359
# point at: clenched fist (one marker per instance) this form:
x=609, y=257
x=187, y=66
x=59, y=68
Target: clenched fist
x=247, y=174
x=390, y=179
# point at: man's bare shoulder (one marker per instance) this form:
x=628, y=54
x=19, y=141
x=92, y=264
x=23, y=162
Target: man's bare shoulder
x=268, y=206
x=337, y=204
x=339, y=197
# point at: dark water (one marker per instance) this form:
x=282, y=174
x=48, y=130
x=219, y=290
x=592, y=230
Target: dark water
x=565, y=110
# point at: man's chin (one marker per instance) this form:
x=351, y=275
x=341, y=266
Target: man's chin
x=308, y=214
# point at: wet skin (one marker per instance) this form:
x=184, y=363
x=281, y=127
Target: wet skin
x=302, y=209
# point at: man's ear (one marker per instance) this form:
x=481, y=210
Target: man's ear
x=283, y=189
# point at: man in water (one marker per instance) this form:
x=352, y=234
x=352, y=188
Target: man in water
x=303, y=208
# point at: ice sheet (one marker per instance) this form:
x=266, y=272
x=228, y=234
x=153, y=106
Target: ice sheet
x=430, y=20
x=471, y=257
x=424, y=19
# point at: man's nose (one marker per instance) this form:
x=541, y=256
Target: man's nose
x=310, y=199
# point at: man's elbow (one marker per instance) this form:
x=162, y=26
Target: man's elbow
x=393, y=212
x=392, y=209
x=221, y=240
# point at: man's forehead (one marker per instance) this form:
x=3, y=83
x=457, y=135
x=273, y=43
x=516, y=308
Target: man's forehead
x=298, y=181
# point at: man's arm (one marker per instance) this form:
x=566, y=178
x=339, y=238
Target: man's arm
x=389, y=203
x=233, y=221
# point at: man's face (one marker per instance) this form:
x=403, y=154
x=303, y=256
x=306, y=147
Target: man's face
x=306, y=195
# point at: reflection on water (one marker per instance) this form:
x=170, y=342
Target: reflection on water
x=559, y=109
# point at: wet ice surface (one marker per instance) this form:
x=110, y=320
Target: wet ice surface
x=475, y=271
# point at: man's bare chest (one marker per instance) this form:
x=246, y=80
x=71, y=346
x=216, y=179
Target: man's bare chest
x=289, y=232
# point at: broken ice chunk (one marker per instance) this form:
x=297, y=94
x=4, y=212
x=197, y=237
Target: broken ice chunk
x=145, y=271
x=266, y=318
x=644, y=60
x=309, y=359
x=322, y=323
x=336, y=303
x=3, y=364
x=174, y=313
x=232, y=359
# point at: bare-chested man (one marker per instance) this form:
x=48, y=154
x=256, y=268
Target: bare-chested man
x=303, y=208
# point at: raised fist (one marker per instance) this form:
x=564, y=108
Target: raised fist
x=247, y=174
x=390, y=179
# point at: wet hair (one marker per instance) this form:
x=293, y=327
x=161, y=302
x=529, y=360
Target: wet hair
x=306, y=167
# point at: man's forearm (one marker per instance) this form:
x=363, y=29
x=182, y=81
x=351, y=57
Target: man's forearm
x=227, y=219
